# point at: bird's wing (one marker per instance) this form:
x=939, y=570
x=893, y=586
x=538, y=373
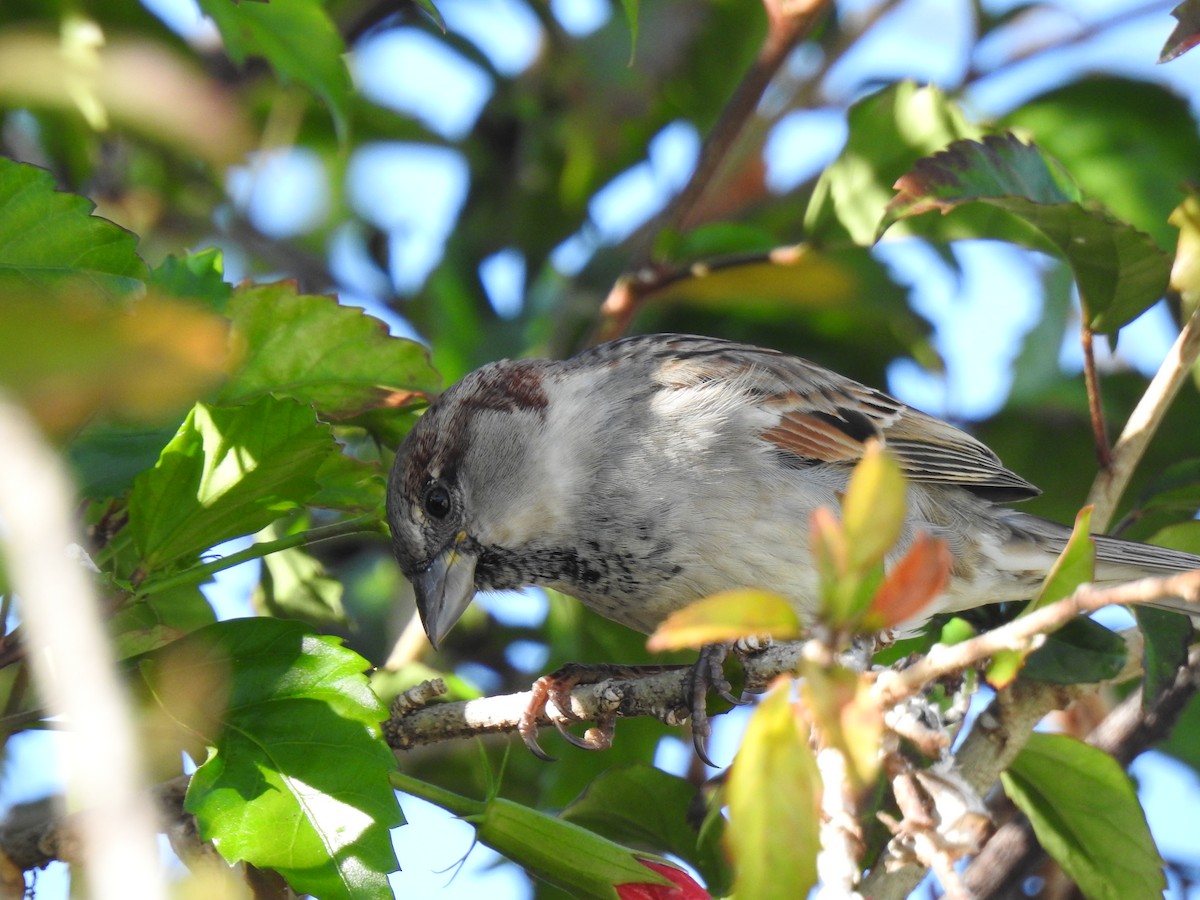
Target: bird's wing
x=824, y=417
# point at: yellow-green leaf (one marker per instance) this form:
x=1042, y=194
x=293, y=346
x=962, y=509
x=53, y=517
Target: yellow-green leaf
x=774, y=804
x=727, y=616
x=873, y=509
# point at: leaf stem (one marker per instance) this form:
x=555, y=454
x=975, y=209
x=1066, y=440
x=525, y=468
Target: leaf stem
x=363, y=524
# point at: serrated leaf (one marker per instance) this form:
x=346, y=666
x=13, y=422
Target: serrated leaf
x=335, y=357
x=1137, y=180
x=49, y=239
x=727, y=616
x=888, y=132
x=1186, y=33
x=297, y=774
x=614, y=805
x=774, y=796
x=297, y=39
x=561, y=853
x=1119, y=270
x=229, y=471
x=1085, y=813
x=148, y=623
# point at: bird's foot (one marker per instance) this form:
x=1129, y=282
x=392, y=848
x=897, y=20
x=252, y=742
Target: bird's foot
x=556, y=688
x=705, y=676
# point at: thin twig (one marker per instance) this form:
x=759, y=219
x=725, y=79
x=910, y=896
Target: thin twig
x=1095, y=404
x=1110, y=484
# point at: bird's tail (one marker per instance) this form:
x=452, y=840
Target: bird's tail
x=1119, y=560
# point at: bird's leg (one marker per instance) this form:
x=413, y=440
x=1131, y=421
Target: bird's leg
x=708, y=675
x=556, y=688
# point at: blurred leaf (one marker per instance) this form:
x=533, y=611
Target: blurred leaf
x=873, y=508
x=1120, y=271
x=229, y=471
x=297, y=39
x=194, y=276
x=560, y=852
x=70, y=354
x=1085, y=813
x=335, y=357
x=49, y=239
x=889, y=131
x=1186, y=33
x=137, y=84
x=716, y=239
x=1183, y=742
x=631, y=18
x=148, y=623
x=846, y=717
x=727, y=616
x=296, y=778
x=1185, y=272
x=774, y=797
x=1168, y=635
x=1171, y=494
x=431, y=10
x=614, y=805
x=1081, y=652
x=1130, y=145
x=911, y=584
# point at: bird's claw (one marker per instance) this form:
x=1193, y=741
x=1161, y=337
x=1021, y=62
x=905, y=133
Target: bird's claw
x=556, y=688
x=708, y=675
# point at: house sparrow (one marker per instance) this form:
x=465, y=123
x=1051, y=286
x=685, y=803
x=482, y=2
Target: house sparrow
x=646, y=473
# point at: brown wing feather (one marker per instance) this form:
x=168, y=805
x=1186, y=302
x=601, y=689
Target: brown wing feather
x=826, y=417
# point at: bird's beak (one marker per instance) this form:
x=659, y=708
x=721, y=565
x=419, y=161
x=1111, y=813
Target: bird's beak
x=444, y=590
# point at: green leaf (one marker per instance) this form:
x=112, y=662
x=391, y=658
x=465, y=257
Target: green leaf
x=229, y=471
x=889, y=131
x=1086, y=815
x=106, y=457
x=1130, y=145
x=1119, y=270
x=1076, y=565
x=50, y=239
x=631, y=18
x=1168, y=635
x=297, y=39
x=561, y=853
x=337, y=358
x=294, y=585
x=1081, y=652
x=148, y=623
x=774, y=795
x=195, y=276
x=297, y=774
x=614, y=805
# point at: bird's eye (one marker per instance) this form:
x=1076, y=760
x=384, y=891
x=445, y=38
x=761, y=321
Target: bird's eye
x=436, y=500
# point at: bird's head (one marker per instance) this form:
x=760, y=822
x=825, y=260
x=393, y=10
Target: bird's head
x=464, y=480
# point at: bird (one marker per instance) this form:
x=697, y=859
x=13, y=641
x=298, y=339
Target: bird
x=645, y=473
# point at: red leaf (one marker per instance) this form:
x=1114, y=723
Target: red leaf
x=684, y=887
x=912, y=583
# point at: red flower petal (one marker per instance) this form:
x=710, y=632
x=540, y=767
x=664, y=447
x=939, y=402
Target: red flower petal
x=684, y=887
